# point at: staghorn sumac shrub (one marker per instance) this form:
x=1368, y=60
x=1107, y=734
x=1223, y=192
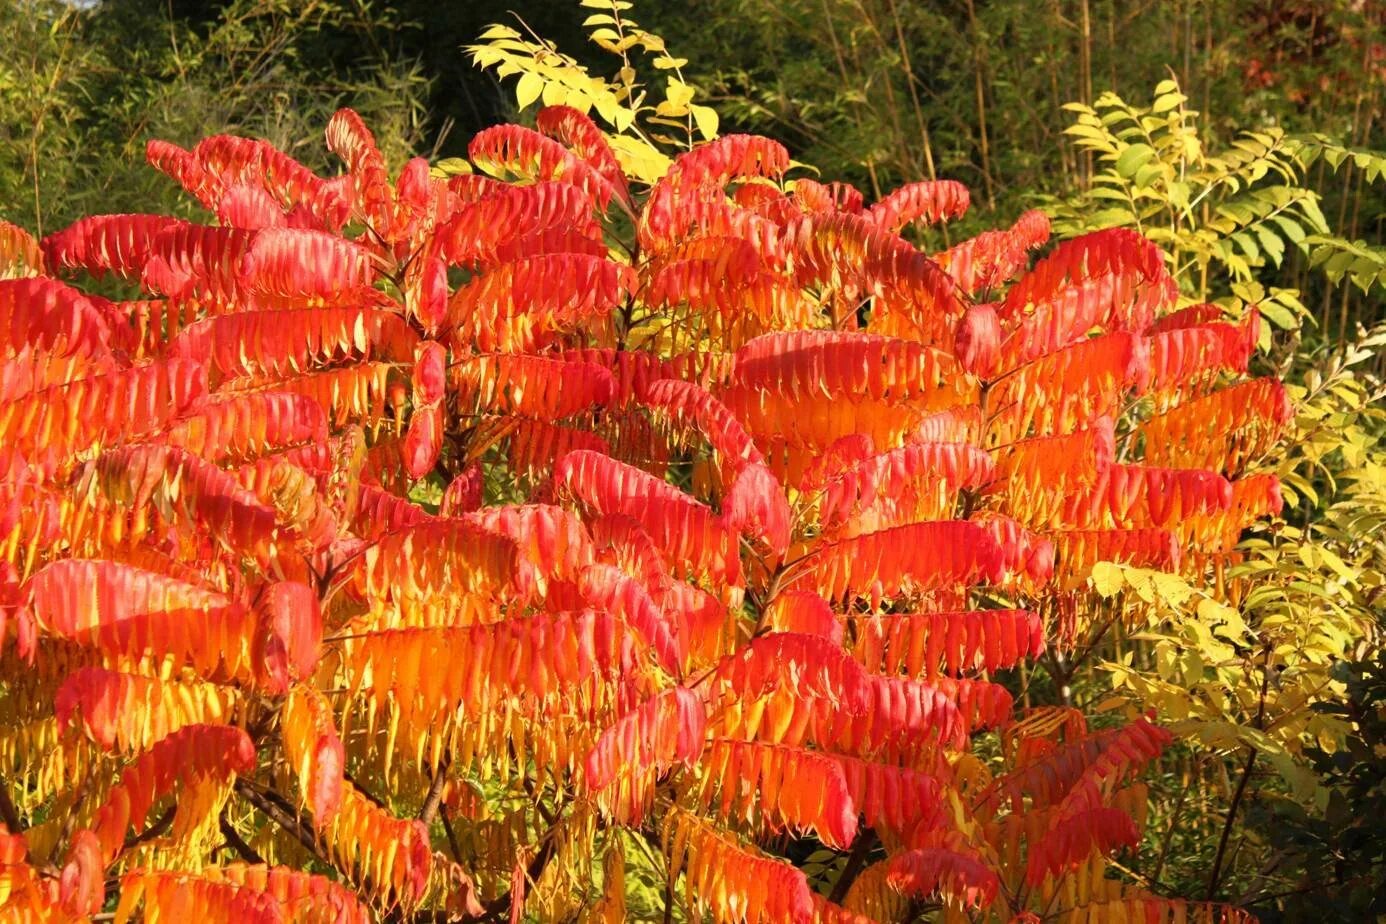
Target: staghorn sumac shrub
x=422, y=547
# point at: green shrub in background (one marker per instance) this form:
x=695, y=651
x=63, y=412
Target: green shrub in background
x=82, y=87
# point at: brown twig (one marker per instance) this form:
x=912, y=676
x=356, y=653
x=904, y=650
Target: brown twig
x=157, y=829
x=236, y=842
x=434, y=800
x=8, y=813
x=276, y=809
x=866, y=842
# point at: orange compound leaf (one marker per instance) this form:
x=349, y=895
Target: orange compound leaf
x=804, y=612
x=674, y=213
x=1070, y=314
x=928, y=201
x=779, y=787
x=514, y=306
x=529, y=385
x=634, y=372
x=290, y=643
x=249, y=208
x=1253, y=498
x=315, y=751
x=728, y=158
x=1134, y=496
x=902, y=719
x=892, y=798
x=279, y=343
x=957, y=424
x=1074, y=386
x=392, y=854
x=664, y=731
x=956, y=874
x=46, y=316
x=228, y=161
x=977, y=340
x=198, y=262
x=305, y=897
x=179, y=165
x=529, y=658
x=1077, y=550
x=20, y=254
x=1028, y=557
x=981, y=704
x=1192, y=316
x=689, y=405
x=1077, y=774
x=535, y=445
x=715, y=274
x=420, y=203
x=812, y=196
x=106, y=243
x=1070, y=460
x=848, y=366
x=239, y=428
x=129, y=712
x=755, y=506
x=349, y=394
x=916, y=481
x=379, y=513
x=1116, y=251
x=702, y=619
x=464, y=493
x=373, y=197
x=190, y=757
x=171, y=897
x=194, y=490
x=992, y=257
x=530, y=156
x=423, y=441
x=1190, y=355
x=81, y=886
x=914, y=557
x=794, y=432
x=555, y=240
x=121, y=404
x=609, y=588
x=826, y=912
x=131, y=613
x=551, y=540
x=688, y=534
x=1223, y=431
x=735, y=883
x=927, y=644
x=426, y=290
x=770, y=202
x=297, y=267
x=836, y=458
x=808, y=665
x=1072, y=841
x=291, y=484
x=851, y=248
x=443, y=556
x=491, y=228
x=585, y=139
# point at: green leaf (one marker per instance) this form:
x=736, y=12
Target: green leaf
x=1133, y=158
x=1107, y=578
x=529, y=88
x=1278, y=315
x=706, y=119
x=1168, y=101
